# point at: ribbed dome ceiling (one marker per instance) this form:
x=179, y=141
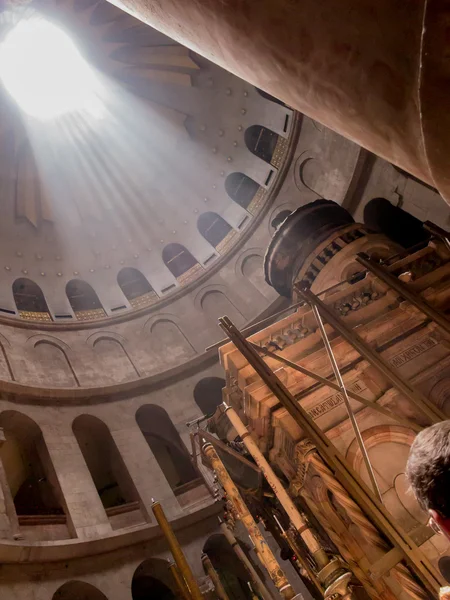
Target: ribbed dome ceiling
x=162, y=184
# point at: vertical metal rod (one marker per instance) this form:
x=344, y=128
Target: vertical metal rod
x=214, y=576
x=177, y=551
x=350, y=412
x=420, y=400
x=181, y=584
x=401, y=288
x=254, y=577
x=265, y=554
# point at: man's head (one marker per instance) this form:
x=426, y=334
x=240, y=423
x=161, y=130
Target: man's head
x=428, y=471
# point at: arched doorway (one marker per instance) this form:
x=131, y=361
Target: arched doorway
x=231, y=571
x=78, y=590
x=84, y=301
x=29, y=471
x=152, y=580
x=208, y=394
x=166, y=445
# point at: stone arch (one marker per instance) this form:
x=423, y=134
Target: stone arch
x=213, y=228
x=78, y=590
x=166, y=445
x=388, y=448
x=261, y=142
x=111, y=478
x=241, y=188
x=152, y=579
x=216, y=303
x=115, y=358
x=30, y=300
x=28, y=468
x=180, y=262
x=169, y=341
x=55, y=361
x=136, y=287
x=84, y=301
x=440, y=395
x=232, y=574
x=208, y=394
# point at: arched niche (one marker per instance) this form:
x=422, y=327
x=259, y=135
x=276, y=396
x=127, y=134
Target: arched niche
x=233, y=575
x=180, y=262
x=388, y=448
x=169, y=341
x=105, y=463
x=216, y=304
x=117, y=364
x=78, y=590
x=208, y=394
x=253, y=270
x=213, y=228
x=32, y=481
x=261, y=142
x=269, y=97
x=56, y=367
x=136, y=287
x=440, y=394
x=84, y=301
x=152, y=579
x=241, y=188
x=30, y=300
x=166, y=445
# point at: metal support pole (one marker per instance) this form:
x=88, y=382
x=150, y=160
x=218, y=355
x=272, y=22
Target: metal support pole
x=334, y=386
x=402, y=289
x=177, y=552
x=254, y=577
x=181, y=584
x=214, y=576
x=346, y=476
x=329, y=571
x=350, y=413
x=264, y=552
x=419, y=399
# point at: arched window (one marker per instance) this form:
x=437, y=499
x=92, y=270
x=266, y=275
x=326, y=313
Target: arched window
x=241, y=188
x=166, y=445
x=78, y=590
x=84, y=301
x=153, y=579
x=30, y=300
x=261, y=141
x=136, y=287
x=213, y=228
x=268, y=96
x=180, y=262
x=208, y=394
x=30, y=475
x=104, y=461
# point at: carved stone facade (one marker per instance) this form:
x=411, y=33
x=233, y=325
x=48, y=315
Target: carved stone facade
x=411, y=344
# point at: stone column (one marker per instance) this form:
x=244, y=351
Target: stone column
x=145, y=471
x=83, y=505
x=9, y=523
x=349, y=68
